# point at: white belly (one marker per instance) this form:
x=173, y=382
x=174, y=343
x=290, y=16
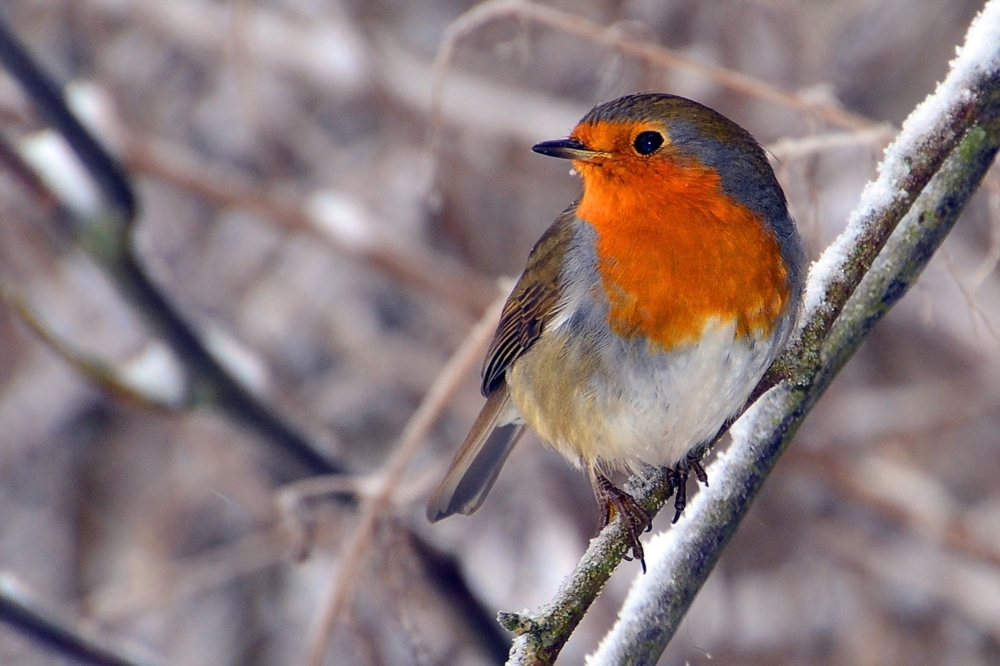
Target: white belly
x=615, y=403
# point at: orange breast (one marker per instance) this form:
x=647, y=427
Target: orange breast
x=675, y=250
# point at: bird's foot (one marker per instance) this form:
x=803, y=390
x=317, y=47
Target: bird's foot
x=679, y=476
x=614, y=501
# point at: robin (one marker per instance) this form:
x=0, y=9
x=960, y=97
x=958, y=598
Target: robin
x=647, y=312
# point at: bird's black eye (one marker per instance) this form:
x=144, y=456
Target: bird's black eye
x=648, y=143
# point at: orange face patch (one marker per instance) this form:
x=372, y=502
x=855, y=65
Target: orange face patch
x=675, y=250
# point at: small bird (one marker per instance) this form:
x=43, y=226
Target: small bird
x=647, y=313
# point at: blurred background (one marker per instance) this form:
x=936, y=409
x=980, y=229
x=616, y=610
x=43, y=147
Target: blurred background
x=336, y=225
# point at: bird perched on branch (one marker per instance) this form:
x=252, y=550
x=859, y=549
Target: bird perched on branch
x=647, y=312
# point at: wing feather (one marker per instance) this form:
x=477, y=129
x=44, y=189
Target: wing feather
x=532, y=304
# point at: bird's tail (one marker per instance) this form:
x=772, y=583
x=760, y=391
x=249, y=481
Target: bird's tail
x=478, y=461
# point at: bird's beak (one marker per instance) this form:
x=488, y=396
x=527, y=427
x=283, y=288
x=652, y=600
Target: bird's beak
x=567, y=149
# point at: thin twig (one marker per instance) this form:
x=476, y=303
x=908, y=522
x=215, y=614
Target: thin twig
x=556, y=19
x=341, y=587
x=968, y=292
x=409, y=263
x=46, y=95
x=796, y=147
x=96, y=370
x=195, y=575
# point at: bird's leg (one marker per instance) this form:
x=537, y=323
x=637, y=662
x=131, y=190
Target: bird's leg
x=679, y=476
x=694, y=464
x=680, y=471
x=635, y=519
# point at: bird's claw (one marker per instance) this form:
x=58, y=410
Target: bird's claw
x=635, y=519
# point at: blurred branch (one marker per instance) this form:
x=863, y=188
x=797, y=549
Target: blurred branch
x=401, y=75
x=341, y=586
x=195, y=575
x=954, y=585
x=107, y=237
x=935, y=165
x=329, y=53
x=334, y=57
x=557, y=19
x=797, y=147
x=935, y=519
x=59, y=633
x=409, y=263
x=105, y=375
x=992, y=258
x=270, y=39
x=47, y=97
x=12, y=160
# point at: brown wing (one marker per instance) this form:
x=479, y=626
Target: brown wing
x=532, y=303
